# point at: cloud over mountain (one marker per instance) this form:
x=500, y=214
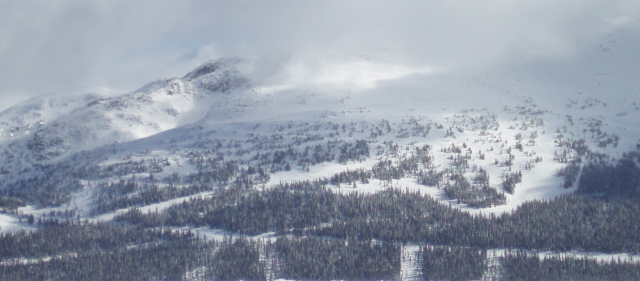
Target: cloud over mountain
x=58, y=45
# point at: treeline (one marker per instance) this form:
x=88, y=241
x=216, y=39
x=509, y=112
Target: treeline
x=214, y=171
x=129, y=193
x=119, y=169
x=523, y=266
x=141, y=191
x=10, y=204
x=55, y=237
x=100, y=251
x=52, y=184
x=237, y=259
x=322, y=259
x=46, y=191
x=167, y=261
x=613, y=181
x=570, y=222
x=477, y=194
x=351, y=177
x=332, y=150
x=570, y=173
x=184, y=258
x=452, y=263
x=108, y=251
x=277, y=209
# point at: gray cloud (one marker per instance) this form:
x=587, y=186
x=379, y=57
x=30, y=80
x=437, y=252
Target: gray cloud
x=55, y=45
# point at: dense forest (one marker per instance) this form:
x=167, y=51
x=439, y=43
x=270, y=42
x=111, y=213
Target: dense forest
x=318, y=259
x=570, y=222
x=612, y=181
x=452, y=263
x=105, y=251
x=523, y=266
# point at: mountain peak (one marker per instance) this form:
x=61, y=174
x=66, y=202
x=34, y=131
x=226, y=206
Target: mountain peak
x=220, y=75
x=213, y=66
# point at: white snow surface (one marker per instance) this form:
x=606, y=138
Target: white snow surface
x=11, y=223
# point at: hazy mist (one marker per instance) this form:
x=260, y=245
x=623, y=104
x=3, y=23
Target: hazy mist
x=55, y=45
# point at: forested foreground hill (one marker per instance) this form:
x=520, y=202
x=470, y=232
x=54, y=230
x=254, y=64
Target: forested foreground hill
x=354, y=242
x=320, y=234
x=331, y=228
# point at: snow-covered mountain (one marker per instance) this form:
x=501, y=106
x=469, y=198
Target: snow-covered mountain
x=494, y=138
x=44, y=129
x=420, y=158
x=23, y=118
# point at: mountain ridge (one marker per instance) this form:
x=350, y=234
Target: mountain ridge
x=100, y=121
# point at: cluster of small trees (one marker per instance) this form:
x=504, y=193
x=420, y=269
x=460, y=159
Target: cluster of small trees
x=124, y=194
x=119, y=169
x=478, y=195
x=309, y=155
x=431, y=177
x=510, y=180
x=412, y=127
x=570, y=173
x=456, y=185
x=52, y=184
x=43, y=191
x=350, y=177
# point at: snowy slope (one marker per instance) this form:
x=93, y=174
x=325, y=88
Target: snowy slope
x=501, y=120
x=29, y=115
x=54, y=127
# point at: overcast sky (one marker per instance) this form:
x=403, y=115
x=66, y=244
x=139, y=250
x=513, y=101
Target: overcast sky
x=54, y=45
